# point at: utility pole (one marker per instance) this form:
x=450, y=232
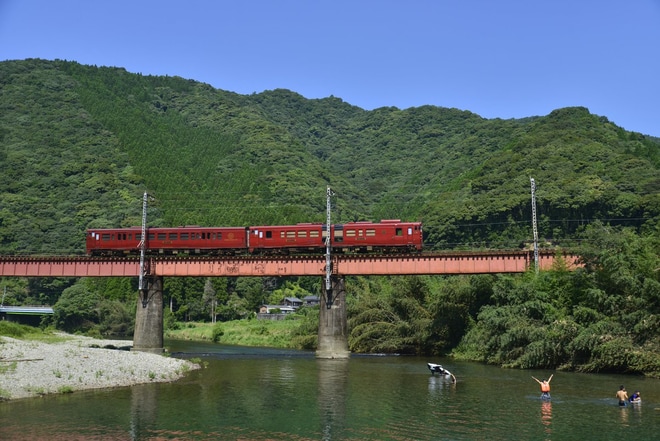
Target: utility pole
x=536, y=234
x=328, y=251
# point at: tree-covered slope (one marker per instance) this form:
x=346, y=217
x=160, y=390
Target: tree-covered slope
x=61, y=170
x=79, y=144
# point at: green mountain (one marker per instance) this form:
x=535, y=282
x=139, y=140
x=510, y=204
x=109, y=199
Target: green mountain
x=80, y=144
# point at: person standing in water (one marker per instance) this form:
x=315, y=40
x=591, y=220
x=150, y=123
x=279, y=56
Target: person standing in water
x=622, y=395
x=545, y=387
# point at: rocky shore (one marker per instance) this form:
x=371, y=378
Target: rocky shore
x=33, y=368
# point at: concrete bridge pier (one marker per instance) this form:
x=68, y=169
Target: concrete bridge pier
x=333, y=324
x=148, y=336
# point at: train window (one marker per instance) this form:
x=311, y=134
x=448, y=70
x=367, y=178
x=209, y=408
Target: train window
x=269, y=234
x=151, y=236
x=314, y=233
x=302, y=233
x=162, y=236
x=106, y=236
x=409, y=231
x=371, y=232
x=184, y=236
x=399, y=231
x=290, y=234
x=350, y=233
x=172, y=236
x=360, y=233
x=138, y=236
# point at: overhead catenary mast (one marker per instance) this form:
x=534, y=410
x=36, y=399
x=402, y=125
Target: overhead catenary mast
x=143, y=248
x=534, y=229
x=328, y=250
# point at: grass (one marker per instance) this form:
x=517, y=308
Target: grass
x=263, y=333
x=4, y=395
x=7, y=367
x=65, y=390
x=259, y=333
x=15, y=330
x=25, y=332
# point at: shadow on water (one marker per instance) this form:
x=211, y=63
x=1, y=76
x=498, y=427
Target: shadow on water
x=271, y=394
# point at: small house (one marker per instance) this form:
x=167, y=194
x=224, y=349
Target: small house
x=294, y=302
x=311, y=301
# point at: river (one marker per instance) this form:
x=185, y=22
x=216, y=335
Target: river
x=271, y=394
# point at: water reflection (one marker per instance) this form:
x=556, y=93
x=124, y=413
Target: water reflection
x=332, y=386
x=546, y=415
x=144, y=409
x=439, y=382
x=624, y=415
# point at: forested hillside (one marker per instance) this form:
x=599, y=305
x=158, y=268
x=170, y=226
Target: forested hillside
x=80, y=144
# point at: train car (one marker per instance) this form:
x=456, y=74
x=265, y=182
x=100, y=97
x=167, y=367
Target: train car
x=191, y=240
x=384, y=236
x=390, y=235
x=286, y=239
x=112, y=241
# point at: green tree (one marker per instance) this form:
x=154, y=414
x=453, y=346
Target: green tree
x=77, y=309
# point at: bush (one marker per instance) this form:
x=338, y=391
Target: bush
x=217, y=333
x=169, y=321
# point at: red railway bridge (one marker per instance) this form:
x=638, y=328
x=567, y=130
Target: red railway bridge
x=311, y=265
x=333, y=332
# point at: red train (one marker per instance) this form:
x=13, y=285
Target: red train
x=383, y=236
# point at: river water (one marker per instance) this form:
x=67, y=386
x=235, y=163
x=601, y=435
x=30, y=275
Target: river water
x=269, y=394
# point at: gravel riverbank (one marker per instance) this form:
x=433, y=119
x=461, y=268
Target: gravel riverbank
x=33, y=368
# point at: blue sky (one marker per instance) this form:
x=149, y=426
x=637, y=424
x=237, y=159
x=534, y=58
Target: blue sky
x=496, y=58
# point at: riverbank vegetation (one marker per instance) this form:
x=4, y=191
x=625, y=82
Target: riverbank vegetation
x=260, y=333
x=602, y=317
x=79, y=145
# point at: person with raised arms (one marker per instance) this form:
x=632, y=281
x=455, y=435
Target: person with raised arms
x=545, y=387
